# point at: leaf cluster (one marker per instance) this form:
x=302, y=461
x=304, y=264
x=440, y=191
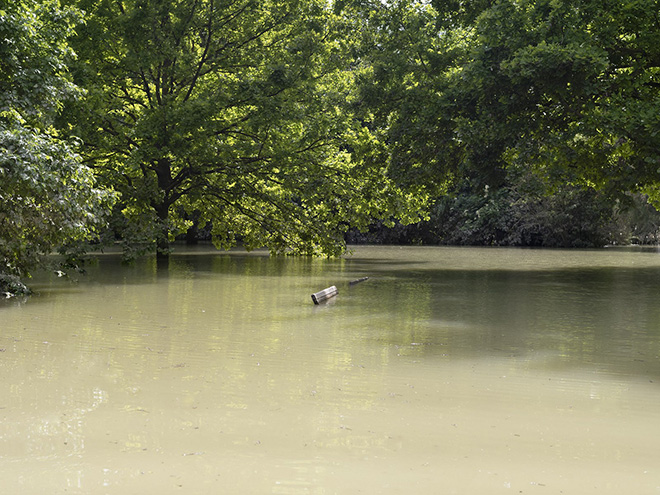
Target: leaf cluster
x=473, y=89
x=48, y=199
x=229, y=112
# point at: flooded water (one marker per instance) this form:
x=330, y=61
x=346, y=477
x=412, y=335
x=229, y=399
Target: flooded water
x=449, y=371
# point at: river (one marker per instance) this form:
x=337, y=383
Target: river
x=449, y=371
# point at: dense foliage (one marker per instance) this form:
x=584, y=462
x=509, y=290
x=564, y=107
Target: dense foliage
x=569, y=89
x=524, y=214
x=47, y=197
x=229, y=112
x=481, y=99
x=288, y=123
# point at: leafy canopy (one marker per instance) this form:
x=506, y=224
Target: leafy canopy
x=47, y=197
x=474, y=89
x=232, y=112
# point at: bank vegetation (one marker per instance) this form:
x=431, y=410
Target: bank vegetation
x=298, y=125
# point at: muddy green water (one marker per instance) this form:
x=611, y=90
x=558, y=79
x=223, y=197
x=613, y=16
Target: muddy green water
x=467, y=371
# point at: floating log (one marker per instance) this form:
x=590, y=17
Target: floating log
x=319, y=297
x=357, y=281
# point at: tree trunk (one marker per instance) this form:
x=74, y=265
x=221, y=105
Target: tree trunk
x=164, y=174
x=162, y=240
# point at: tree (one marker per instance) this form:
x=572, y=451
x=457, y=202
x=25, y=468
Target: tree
x=568, y=90
x=48, y=199
x=402, y=97
x=566, y=87
x=231, y=112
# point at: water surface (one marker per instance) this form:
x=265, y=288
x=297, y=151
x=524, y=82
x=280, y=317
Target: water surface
x=451, y=370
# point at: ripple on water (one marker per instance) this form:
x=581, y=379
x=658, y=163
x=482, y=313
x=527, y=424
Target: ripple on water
x=514, y=370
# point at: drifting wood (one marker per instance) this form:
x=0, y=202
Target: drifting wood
x=319, y=297
x=357, y=281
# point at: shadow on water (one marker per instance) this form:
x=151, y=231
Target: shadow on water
x=502, y=370
x=595, y=312
x=605, y=318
